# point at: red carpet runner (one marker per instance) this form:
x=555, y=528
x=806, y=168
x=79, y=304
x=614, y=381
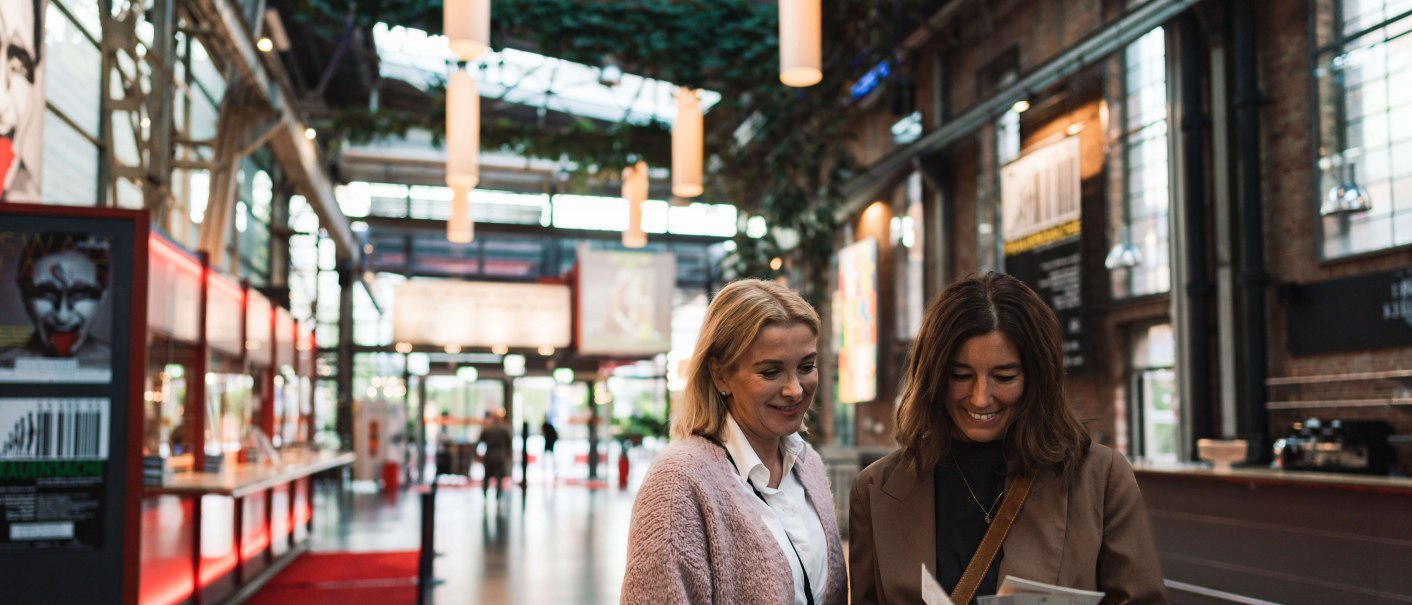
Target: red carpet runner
x=344, y=578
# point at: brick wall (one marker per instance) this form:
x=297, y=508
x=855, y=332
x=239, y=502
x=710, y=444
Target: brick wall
x=1291, y=195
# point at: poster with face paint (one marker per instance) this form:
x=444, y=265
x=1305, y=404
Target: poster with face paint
x=21, y=99
x=55, y=311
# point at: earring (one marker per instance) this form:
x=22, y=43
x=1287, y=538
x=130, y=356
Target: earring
x=725, y=393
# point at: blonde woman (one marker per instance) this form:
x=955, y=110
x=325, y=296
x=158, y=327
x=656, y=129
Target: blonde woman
x=737, y=509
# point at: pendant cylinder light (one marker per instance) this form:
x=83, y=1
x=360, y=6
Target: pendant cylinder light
x=801, y=48
x=467, y=26
x=460, y=229
x=462, y=130
x=635, y=192
x=686, y=145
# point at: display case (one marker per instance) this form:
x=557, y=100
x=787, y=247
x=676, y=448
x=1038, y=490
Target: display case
x=219, y=516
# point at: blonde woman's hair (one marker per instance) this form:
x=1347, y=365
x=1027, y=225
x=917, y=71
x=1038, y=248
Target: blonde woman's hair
x=737, y=315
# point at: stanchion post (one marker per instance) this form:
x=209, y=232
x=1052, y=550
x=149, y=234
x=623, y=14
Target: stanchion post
x=428, y=546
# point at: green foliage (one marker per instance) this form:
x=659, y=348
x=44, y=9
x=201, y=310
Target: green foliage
x=632, y=429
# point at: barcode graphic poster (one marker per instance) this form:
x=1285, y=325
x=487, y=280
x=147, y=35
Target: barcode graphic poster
x=53, y=459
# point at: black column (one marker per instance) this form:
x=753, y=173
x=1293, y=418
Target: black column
x=344, y=370
x=1199, y=288
x=1252, y=277
x=592, y=432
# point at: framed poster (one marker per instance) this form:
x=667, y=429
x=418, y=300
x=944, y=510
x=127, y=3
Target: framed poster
x=22, y=99
x=625, y=302
x=73, y=319
x=1041, y=203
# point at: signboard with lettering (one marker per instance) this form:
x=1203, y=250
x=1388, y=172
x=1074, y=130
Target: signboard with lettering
x=1371, y=311
x=1040, y=202
x=481, y=314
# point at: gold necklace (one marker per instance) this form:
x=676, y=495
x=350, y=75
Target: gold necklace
x=984, y=511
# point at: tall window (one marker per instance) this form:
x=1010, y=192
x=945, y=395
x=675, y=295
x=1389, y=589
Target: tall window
x=72, y=64
x=1004, y=148
x=1363, y=83
x=1139, y=263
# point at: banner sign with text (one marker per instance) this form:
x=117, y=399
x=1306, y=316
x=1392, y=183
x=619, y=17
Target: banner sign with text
x=1040, y=205
x=1358, y=313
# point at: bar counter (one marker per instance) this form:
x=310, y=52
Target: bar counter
x=215, y=537
x=241, y=480
x=1253, y=535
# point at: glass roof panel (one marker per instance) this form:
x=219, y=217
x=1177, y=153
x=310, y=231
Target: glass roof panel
x=531, y=79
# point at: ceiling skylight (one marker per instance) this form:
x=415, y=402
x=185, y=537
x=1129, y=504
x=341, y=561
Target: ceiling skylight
x=530, y=79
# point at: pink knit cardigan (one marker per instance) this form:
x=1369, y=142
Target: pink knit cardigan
x=696, y=538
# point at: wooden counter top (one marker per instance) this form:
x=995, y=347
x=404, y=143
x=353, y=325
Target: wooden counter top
x=1266, y=476
x=239, y=480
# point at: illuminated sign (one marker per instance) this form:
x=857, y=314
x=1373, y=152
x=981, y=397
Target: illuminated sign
x=870, y=80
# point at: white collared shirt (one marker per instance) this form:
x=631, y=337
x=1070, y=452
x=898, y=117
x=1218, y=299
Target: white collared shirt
x=786, y=510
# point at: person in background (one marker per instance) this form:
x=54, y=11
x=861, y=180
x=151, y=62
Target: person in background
x=984, y=416
x=551, y=437
x=499, y=449
x=737, y=508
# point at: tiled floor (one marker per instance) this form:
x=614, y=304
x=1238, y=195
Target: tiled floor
x=560, y=544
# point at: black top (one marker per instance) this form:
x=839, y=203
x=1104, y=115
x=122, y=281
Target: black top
x=960, y=523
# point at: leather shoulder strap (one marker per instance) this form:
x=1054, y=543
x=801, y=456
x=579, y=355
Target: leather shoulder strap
x=990, y=544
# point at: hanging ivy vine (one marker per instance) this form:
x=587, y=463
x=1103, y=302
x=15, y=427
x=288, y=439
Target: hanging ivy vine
x=789, y=170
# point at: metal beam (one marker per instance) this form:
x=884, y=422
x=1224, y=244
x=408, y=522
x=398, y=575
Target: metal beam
x=1098, y=46
x=295, y=150
x=298, y=154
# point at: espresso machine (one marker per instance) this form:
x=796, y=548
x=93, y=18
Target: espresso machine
x=1342, y=446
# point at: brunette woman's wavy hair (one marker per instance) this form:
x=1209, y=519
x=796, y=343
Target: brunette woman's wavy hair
x=1043, y=433
x=738, y=314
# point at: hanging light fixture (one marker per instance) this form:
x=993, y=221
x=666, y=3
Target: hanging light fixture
x=467, y=25
x=1346, y=196
x=1123, y=255
x=462, y=130
x=801, y=54
x=460, y=229
x=635, y=192
x=686, y=145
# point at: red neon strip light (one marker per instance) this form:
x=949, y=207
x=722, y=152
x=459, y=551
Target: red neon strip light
x=169, y=252
x=229, y=288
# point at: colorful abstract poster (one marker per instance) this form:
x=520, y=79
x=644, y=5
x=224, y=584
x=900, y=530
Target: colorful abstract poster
x=56, y=313
x=21, y=99
x=856, y=310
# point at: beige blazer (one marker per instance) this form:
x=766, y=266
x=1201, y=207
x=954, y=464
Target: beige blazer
x=1091, y=533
